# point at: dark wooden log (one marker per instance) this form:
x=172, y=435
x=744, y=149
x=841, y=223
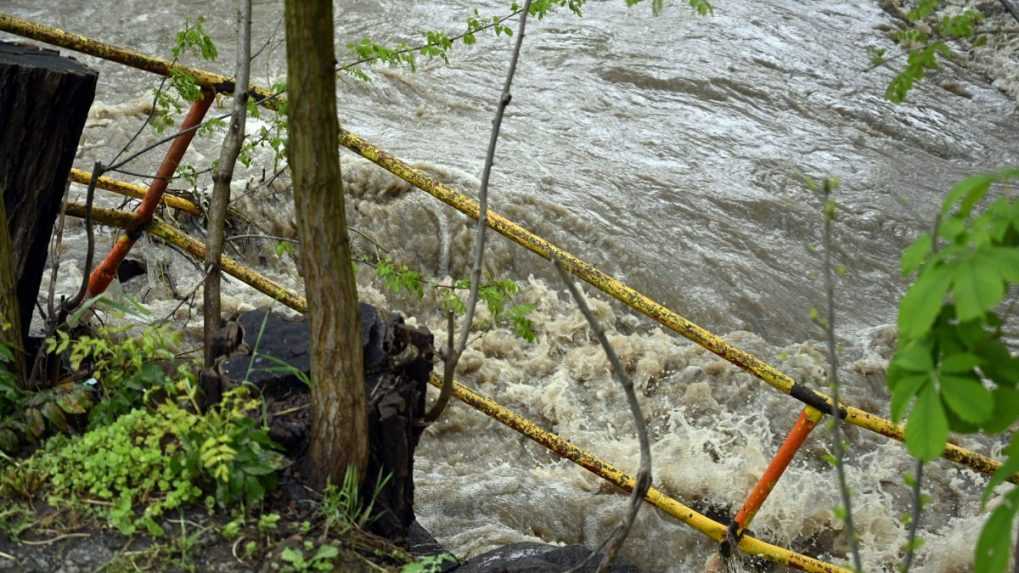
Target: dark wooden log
x=44, y=101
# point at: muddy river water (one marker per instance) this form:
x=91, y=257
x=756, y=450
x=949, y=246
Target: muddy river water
x=671, y=151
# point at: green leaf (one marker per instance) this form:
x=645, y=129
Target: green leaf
x=1006, y=410
x=995, y=542
x=77, y=402
x=327, y=552
x=977, y=288
x=916, y=357
x=922, y=303
x=35, y=422
x=55, y=415
x=1007, y=261
x=968, y=398
x=915, y=254
x=960, y=363
x=968, y=193
x=904, y=390
x=927, y=429
x=8, y=441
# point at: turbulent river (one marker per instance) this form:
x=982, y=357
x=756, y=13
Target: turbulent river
x=671, y=151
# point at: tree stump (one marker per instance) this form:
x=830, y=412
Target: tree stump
x=44, y=101
x=397, y=363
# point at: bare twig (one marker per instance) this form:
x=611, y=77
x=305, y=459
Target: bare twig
x=222, y=178
x=643, y=482
x=1011, y=9
x=914, y=524
x=58, y=239
x=262, y=236
x=97, y=171
x=418, y=48
x=453, y=355
x=833, y=374
x=148, y=118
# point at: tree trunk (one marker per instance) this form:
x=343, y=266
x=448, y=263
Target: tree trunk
x=10, y=319
x=44, y=101
x=224, y=175
x=339, y=432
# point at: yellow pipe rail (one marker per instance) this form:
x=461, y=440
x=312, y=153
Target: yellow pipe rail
x=132, y=190
x=568, y=450
x=597, y=278
x=195, y=248
x=553, y=442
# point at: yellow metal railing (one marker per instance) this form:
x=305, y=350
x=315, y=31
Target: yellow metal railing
x=583, y=270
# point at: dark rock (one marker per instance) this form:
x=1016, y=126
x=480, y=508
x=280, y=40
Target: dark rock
x=538, y=558
x=131, y=268
x=420, y=541
x=397, y=363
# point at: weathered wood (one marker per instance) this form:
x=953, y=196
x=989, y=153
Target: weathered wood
x=397, y=362
x=44, y=101
x=10, y=320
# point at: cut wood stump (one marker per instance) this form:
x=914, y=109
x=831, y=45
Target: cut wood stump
x=397, y=364
x=44, y=101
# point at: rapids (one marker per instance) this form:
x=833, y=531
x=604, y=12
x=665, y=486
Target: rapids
x=671, y=152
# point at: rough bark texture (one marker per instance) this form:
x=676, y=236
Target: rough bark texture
x=397, y=365
x=44, y=101
x=10, y=319
x=224, y=175
x=339, y=430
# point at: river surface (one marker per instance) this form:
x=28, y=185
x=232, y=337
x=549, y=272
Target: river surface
x=671, y=151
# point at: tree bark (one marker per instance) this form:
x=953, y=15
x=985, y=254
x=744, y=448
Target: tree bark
x=44, y=101
x=10, y=319
x=339, y=432
x=223, y=177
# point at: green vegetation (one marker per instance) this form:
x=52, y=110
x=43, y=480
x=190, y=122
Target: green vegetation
x=155, y=460
x=952, y=363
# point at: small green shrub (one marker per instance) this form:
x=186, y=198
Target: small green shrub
x=126, y=365
x=160, y=460
x=428, y=564
x=321, y=560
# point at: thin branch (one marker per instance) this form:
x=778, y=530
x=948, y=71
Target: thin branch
x=224, y=175
x=259, y=236
x=418, y=48
x=453, y=355
x=138, y=175
x=97, y=172
x=918, y=482
x=1011, y=9
x=184, y=299
x=55, y=254
x=833, y=375
x=148, y=118
x=643, y=482
x=914, y=524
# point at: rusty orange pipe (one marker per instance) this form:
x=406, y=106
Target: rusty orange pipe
x=809, y=417
x=107, y=269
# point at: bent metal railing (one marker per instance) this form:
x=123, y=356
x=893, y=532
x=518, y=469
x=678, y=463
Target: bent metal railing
x=561, y=447
x=816, y=402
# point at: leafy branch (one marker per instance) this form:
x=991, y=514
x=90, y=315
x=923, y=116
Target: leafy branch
x=952, y=364
x=453, y=355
